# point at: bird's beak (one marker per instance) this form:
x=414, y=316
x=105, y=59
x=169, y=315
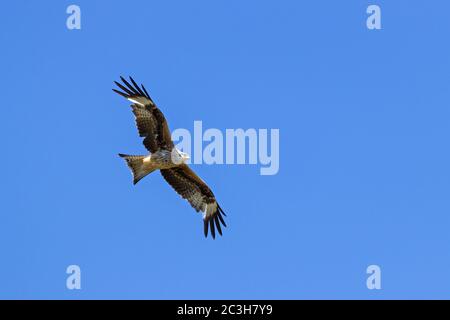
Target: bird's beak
x=186, y=156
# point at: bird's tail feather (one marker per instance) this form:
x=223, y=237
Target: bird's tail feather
x=138, y=166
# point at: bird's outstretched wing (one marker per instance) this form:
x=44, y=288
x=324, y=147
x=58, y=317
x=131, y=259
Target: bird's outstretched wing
x=192, y=188
x=150, y=121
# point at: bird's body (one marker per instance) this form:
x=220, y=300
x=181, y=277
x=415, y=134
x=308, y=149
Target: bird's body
x=160, y=160
x=164, y=156
x=163, y=159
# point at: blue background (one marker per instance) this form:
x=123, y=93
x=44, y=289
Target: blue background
x=364, y=158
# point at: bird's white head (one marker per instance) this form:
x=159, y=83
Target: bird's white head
x=179, y=157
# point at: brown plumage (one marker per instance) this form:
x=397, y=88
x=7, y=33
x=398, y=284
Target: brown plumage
x=153, y=127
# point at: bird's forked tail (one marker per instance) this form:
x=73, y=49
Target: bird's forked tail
x=139, y=166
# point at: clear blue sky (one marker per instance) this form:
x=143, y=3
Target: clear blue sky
x=364, y=158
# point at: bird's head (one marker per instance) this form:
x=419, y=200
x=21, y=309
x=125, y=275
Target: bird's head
x=184, y=156
x=179, y=157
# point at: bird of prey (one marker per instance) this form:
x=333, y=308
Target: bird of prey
x=166, y=158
